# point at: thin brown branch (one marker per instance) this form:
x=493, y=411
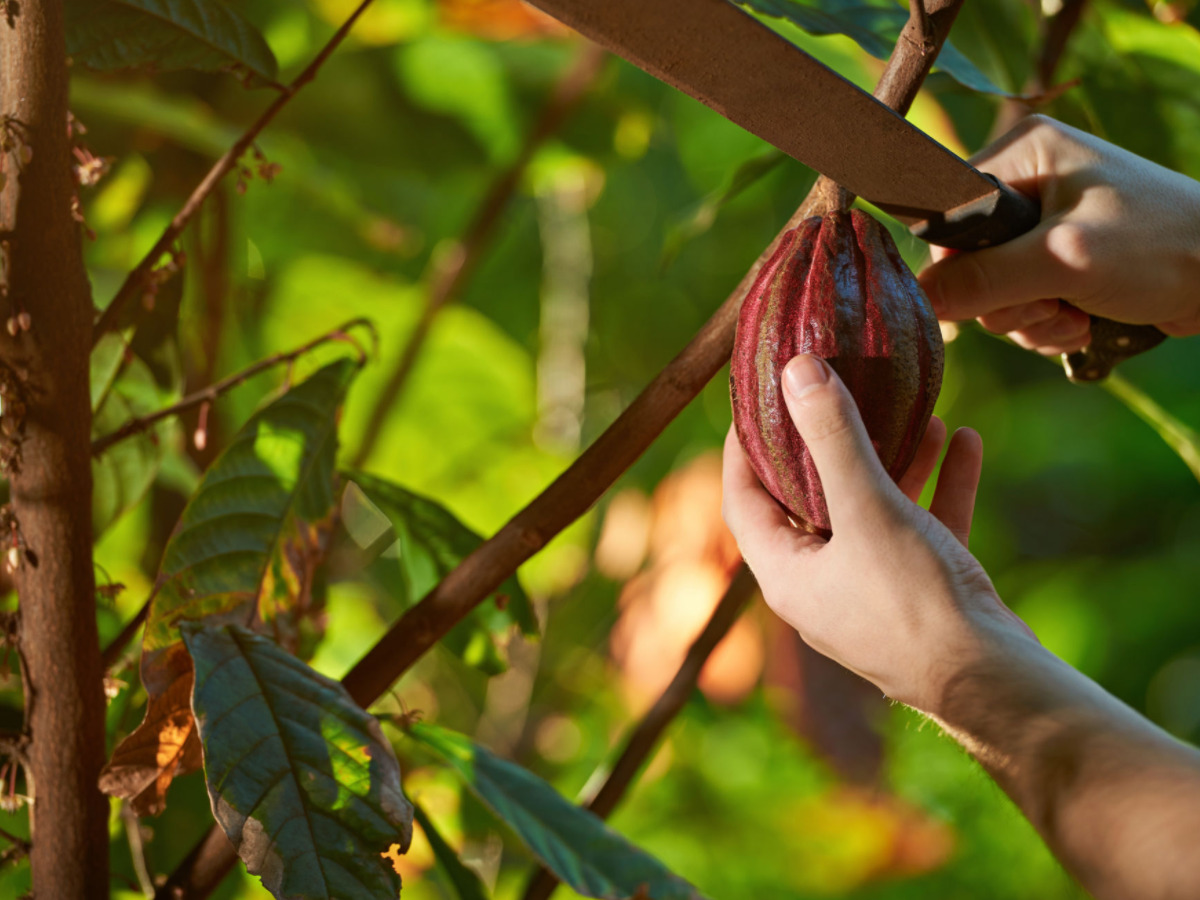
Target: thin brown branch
x=451, y=269
x=1041, y=89
x=1056, y=34
x=215, y=390
x=566, y=499
x=645, y=737
x=137, y=849
x=135, y=281
x=112, y=653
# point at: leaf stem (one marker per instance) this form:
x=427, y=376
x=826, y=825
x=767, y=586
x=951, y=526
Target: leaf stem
x=136, y=279
x=1181, y=438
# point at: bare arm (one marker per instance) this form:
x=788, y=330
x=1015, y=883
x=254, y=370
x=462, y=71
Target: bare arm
x=896, y=596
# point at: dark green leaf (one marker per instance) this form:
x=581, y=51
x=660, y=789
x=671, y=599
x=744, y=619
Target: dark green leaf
x=572, y=842
x=166, y=34
x=465, y=882
x=873, y=24
x=302, y=781
x=419, y=542
x=245, y=551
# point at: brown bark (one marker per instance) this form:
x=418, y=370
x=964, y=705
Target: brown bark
x=51, y=491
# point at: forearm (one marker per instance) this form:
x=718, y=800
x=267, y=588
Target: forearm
x=1115, y=797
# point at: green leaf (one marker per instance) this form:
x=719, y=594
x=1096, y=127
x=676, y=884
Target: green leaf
x=572, y=842
x=419, y=542
x=302, y=781
x=745, y=176
x=874, y=25
x=245, y=551
x=125, y=471
x=467, y=885
x=166, y=34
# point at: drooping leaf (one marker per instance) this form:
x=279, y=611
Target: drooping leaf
x=418, y=542
x=301, y=779
x=166, y=34
x=465, y=882
x=573, y=843
x=874, y=25
x=246, y=548
x=124, y=472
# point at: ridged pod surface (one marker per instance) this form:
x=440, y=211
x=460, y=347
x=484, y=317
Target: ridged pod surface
x=836, y=288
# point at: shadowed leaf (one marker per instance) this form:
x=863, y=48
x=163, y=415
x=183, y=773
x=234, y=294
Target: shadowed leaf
x=570, y=841
x=872, y=24
x=417, y=542
x=166, y=34
x=302, y=780
x=247, y=545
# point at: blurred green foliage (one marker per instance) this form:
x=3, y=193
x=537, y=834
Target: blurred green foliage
x=1088, y=522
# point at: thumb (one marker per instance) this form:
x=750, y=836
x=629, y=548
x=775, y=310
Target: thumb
x=828, y=420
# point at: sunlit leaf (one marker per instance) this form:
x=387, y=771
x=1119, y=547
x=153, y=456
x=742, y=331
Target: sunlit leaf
x=570, y=841
x=302, y=781
x=166, y=34
x=874, y=25
x=465, y=882
x=248, y=543
x=418, y=543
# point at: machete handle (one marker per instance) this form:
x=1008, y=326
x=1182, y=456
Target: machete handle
x=1003, y=215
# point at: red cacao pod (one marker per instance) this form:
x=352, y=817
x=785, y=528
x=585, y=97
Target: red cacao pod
x=836, y=288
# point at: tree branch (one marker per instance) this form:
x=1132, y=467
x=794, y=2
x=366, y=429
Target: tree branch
x=568, y=497
x=46, y=435
x=451, y=270
x=135, y=281
x=213, y=391
x=645, y=737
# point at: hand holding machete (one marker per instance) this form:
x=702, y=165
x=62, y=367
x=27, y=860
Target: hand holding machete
x=1119, y=237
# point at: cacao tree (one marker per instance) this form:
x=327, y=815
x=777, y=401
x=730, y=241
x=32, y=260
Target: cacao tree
x=360, y=383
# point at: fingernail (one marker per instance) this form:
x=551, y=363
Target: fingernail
x=804, y=374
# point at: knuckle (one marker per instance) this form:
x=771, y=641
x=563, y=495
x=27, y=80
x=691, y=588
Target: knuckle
x=1073, y=245
x=830, y=423
x=975, y=280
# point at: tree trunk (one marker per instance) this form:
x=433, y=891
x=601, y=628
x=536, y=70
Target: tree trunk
x=45, y=369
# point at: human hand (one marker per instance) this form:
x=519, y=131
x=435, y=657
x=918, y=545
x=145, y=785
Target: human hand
x=1119, y=237
x=894, y=595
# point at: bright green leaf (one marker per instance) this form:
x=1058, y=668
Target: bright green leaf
x=874, y=25
x=420, y=542
x=302, y=781
x=572, y=842
x=166, y=34
x=245, y=551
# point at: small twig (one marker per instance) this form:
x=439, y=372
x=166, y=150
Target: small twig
x=137, y=850
x=452, y=268
x=18, y=849
x=136, y=279
x=565, y=500
x=645, y=737
x=213, y=391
